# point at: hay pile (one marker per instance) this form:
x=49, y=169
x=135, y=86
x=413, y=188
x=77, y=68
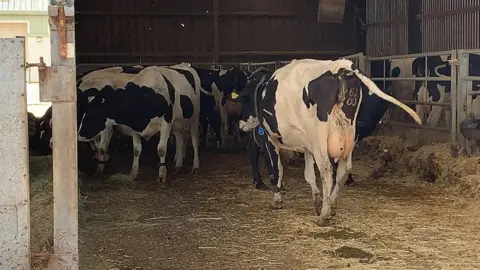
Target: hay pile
x=41, y=207
x=431, y=163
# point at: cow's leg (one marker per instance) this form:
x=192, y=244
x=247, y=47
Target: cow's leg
x=271, y=161
x=325, y=168
x=102, y=156
x=344, y=167
x=277, y=195
x=216, y=124
x=224, y=122
x=179, y=152
x=162, y=151
x=137, y=150
x=195, y=142
x=311, y=179
x=204, y=126
x=236, y=131
x=253, y=153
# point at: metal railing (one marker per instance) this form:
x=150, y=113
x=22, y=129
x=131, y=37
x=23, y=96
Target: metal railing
x=466, y=93
x=450, y=106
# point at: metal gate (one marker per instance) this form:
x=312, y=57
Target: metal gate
x=14, y=191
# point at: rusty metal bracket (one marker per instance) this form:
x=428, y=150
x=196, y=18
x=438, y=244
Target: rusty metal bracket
x=58, y=15
x=57, y=83
x=41, y=68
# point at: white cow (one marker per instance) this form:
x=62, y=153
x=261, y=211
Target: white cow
x=310, y=106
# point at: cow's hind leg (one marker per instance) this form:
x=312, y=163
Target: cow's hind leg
x=325, y=168
x=137, y=150
x=311, y=179
x=179, y=152
x=102, y=156
x=277, y=202
x=162, y=151
x=195, y=144
x=344, y=167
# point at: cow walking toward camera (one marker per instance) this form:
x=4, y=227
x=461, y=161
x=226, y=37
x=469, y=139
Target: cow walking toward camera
x=157, y=99
x=310, y=106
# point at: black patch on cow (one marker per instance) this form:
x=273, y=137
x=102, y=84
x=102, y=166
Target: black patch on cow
x=171, y=90
x=268, y=104
x=188, y=75
x=169, y=114
x=396, y=72
x=223, y=101
x=131, y=70
x=133, y=106
x=353, y=98
x=187, y=106
x=322, y=91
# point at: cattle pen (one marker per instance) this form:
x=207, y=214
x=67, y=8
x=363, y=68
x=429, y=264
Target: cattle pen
x=414, y=202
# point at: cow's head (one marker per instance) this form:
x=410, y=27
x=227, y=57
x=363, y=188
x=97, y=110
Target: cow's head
x=94, y=117
x=252, y=91
x=230, y=80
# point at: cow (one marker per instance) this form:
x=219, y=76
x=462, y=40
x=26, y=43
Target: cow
x=157, y=99
x=224, y=82
x=310, y=106
x=257, y=141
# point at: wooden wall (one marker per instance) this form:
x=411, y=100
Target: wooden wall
x=203, y=31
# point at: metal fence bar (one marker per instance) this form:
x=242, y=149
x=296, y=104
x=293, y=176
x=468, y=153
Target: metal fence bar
x=14, y=180
x=432, y=79
x=403, y=56
x=416, y=126
x=454, y=123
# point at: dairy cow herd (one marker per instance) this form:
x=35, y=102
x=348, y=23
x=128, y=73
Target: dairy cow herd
x=316, y=107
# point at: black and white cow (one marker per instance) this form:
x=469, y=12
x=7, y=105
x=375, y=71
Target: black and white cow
x=88, y=84
x=257, y=142
x=310, y=106
x=157, y=99
x=224, y=82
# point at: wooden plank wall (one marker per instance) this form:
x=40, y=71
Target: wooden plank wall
x=161, y=31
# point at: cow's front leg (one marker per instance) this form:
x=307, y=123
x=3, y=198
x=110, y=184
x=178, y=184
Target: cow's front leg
x=253, y=152
x=137, y=150
x=162, y=151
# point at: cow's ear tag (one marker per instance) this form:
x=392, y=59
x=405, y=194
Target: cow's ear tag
x=234, y=95
x=261, y=131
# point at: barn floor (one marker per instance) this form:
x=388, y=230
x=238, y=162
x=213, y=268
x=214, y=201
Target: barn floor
x=216, y=220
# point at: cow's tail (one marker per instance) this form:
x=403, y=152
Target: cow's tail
x=374, y=88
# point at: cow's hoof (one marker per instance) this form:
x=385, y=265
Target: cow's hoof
x=322, y=222
x=194, y=171
x=334, y=212
x=261, y=186
x=178, y=170
x=350, y=182
x=276, y=205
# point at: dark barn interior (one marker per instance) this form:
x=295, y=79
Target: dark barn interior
x=207, y=31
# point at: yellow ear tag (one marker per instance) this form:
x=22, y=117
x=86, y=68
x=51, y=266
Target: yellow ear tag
x=234, y=95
